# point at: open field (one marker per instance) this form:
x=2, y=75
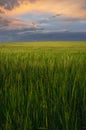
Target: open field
x=43, y=86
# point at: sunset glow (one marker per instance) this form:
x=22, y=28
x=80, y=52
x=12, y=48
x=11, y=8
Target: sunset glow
x=46, y=15
x=70, y=8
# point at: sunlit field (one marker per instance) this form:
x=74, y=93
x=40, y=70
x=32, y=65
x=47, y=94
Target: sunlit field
x=43, y=86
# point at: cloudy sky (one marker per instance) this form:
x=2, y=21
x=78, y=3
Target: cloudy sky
x=47, y=15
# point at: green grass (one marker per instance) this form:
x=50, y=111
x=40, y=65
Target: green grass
x=43, y=86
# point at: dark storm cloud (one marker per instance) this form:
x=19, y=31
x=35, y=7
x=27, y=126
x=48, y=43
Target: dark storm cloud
x=10, y=4
x=16, y=24
x=4, y=21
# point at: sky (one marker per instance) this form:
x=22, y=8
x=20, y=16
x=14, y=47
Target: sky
x=44, y=15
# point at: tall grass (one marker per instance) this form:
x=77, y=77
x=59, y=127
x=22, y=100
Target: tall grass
x=42, y=88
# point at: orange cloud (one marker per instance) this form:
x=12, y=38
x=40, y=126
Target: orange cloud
x=69, y=8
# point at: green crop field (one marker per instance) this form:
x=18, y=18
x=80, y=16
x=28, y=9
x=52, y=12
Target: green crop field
x=43, y=86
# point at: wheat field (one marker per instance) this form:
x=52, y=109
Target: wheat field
x=43, y=86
